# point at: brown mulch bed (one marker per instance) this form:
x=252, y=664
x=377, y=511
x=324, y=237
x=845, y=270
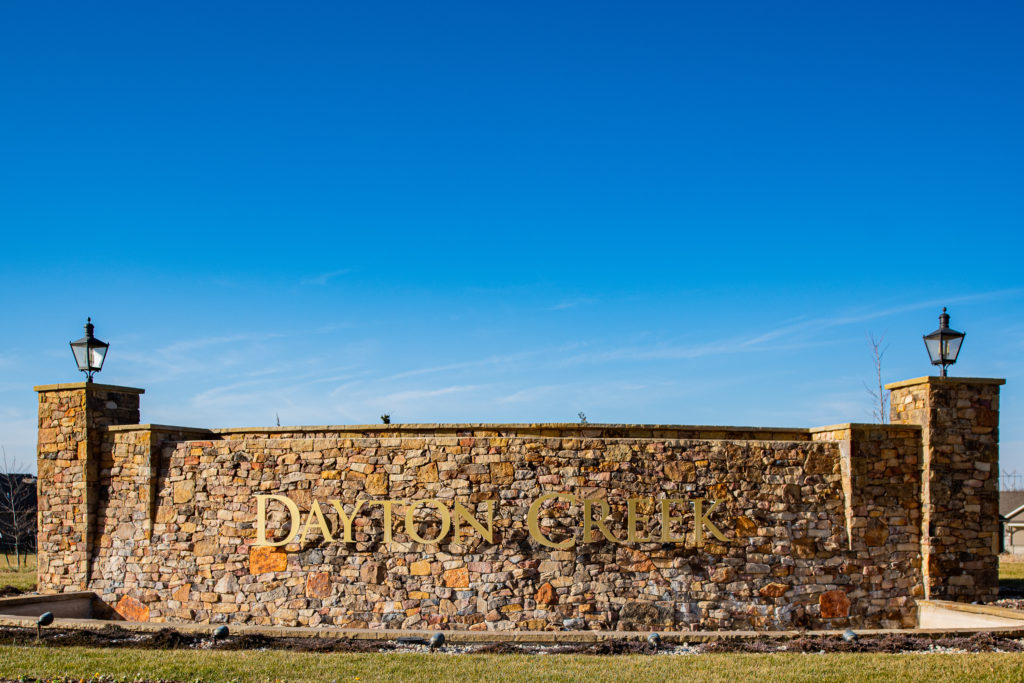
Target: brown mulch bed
x=170, y=639
x=893, y=643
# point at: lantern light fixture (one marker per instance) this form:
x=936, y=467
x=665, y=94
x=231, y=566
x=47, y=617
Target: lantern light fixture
x=89, y=352
x=943, y=344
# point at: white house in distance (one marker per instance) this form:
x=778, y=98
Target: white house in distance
x=1011, y=513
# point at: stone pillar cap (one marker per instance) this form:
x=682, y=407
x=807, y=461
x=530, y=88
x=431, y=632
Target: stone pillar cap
x=934, y=379
x=87, y=385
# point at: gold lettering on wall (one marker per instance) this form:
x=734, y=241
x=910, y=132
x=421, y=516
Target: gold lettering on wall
x=261, y=519
x=597, y=516
x=410, y=522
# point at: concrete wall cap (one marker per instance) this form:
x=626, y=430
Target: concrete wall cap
x=417, y=427
x=863, y=425
x=155, y=428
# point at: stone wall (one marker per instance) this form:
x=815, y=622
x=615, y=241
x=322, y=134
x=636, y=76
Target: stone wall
x=960, y=445
x=819, y=528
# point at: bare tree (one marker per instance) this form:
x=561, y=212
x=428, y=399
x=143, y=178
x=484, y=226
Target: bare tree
x=17, y=511
x=879, y=394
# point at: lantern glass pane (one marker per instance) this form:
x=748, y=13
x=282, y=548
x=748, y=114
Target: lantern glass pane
x=934, y=349
x=96, y=356
x=951, y=348
x=81, y=356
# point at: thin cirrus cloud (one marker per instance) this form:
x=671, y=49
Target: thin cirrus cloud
x=760, y=342
x=323, y=278
x=498, y=360
x=561, y=306
x=826, y=322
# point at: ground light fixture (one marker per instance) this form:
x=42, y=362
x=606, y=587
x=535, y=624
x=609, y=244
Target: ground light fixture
x=45, y=619
x=89, y=351
x=944, y=343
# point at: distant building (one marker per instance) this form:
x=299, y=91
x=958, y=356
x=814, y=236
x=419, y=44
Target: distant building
x=1011, y=514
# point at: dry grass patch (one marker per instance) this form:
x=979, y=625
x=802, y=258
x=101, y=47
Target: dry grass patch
x=17, y=577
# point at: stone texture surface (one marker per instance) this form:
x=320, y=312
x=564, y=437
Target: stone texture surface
x=960, y=440
x=822, y=526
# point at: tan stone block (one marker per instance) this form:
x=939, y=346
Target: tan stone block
x=184, y=491
x=372, y=573
x=377, y=484
x=426, y=474
x=681, y=470
x=420, y=568
x=165, y=514
x=418, y=595
x=723, y=574
x=181, y=592
x=804, y=548
x=502, y=473
x=206, y=547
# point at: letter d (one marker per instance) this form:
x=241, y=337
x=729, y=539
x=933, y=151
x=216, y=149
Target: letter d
x=261, y=519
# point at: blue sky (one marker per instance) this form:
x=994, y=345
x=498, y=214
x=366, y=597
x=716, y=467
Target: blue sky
x=649, y=212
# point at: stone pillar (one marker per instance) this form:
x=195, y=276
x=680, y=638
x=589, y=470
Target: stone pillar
x=959, y=417
x=71, y=422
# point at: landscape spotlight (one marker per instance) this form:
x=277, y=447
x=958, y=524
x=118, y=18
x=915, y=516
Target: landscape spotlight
x=944, y=343
x=45, y=619
x=89, y=352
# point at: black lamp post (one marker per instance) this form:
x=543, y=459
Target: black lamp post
x=89, y=352
x=944, y=343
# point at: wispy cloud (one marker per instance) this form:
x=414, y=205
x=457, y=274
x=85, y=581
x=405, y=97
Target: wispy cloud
x=571, y=304
x=193, y=344
x=773, y=339
x=531, y=394
x=419, y=394
x=323, y=278
x=490, y=360
x=854, y=317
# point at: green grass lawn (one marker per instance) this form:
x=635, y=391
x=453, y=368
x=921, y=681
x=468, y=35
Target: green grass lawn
x=210, y=666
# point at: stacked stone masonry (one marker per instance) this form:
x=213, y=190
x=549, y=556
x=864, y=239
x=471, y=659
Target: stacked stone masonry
x=960, y=444
x=823, y=528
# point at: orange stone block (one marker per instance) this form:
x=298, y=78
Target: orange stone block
x=265, y=558
x=834, y=604
x=546, y=595
x=630, y=560
x=774, y=590
x=745, y=526
x=457, y=578
x=131, y=609
x=318, y=585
